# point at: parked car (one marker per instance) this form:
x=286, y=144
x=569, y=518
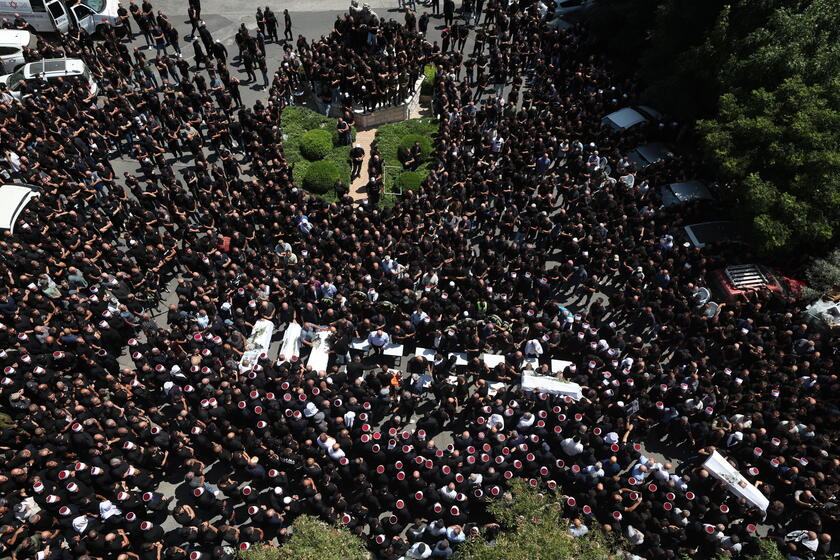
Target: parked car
x=732, y=281
x=649, y=153
x=13, y=199
x=12, y=43
x=825, y=313
x=567, y=8
x=680, y=193
x=630, y=117
x=702, y=234
x=50, y=69
x=62, y=16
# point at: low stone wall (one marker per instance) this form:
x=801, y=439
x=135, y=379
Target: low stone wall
x=381, y=116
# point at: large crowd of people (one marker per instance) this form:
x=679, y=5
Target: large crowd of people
x=533, y=236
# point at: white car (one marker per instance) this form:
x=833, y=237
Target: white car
x=50, y=69
x=12, y=43
x=629, y=117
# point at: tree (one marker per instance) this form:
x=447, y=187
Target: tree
x=311, y=540
x=533, y=528
x=823, y=275
x=780, y=150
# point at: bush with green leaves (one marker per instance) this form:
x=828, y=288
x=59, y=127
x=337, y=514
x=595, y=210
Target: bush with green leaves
x=316, y=144
x=320, y=177
x=311, y=540
x=389, y=138
x=408, y=142
x=823, y=276
x=295, y=123
x=410, y=180
x=427, y=86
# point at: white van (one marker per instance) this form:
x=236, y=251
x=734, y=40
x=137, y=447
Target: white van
x=62, y=15
x=51, y=68
x=12, y=43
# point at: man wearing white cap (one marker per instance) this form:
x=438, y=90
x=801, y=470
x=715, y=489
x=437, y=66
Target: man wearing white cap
x=357, y=157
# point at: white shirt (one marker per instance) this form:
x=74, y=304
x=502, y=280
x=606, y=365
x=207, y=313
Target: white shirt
x=496, y=419
x=453, y=538
x=571, y=447
x=414, y=551
x=533, y=348
x=448, y=494
x=578, y=531
x=634, y=535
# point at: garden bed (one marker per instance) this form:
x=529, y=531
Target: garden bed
x=297, y=125
x=391, y=138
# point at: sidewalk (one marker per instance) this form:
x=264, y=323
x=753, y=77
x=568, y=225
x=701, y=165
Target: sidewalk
x=357, y=187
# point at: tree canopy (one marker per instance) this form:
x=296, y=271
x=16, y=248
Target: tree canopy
x=763, y=77
x=311, y=540
x=533, y=528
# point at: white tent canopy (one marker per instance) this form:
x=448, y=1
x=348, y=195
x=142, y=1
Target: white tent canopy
x=13, y=199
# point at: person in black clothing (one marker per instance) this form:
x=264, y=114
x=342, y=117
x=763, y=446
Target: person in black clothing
x=248, y=64
x=220, y=52
x=357, y=156
x=448, y=12
x=287, y=26
x=271, y=25
x=125, y=21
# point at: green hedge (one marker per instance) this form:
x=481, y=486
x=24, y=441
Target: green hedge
x=316, y=144
x=391, y=136
x=320, y=177
x=408, y=142
x=410, y=180
x=427, y=86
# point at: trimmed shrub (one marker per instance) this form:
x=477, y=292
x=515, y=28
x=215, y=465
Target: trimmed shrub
x=320, y=177
x=408, y=141
x=427, y=86
x=410, y=180
x=316, y=144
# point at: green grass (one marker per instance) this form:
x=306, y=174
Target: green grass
x=294, y=123
x=388, y=139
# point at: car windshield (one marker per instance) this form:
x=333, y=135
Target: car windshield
x=15, y=79
x=95, y=5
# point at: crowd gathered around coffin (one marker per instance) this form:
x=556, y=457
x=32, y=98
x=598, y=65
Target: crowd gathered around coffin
x=532, y=237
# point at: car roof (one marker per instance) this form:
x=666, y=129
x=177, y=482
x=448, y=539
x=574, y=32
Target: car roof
x=653, y=152
x=650, y=112
x=676, y=193
x=55, y=66
x=14, y=37
x=704, y=233
x=625, y=118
